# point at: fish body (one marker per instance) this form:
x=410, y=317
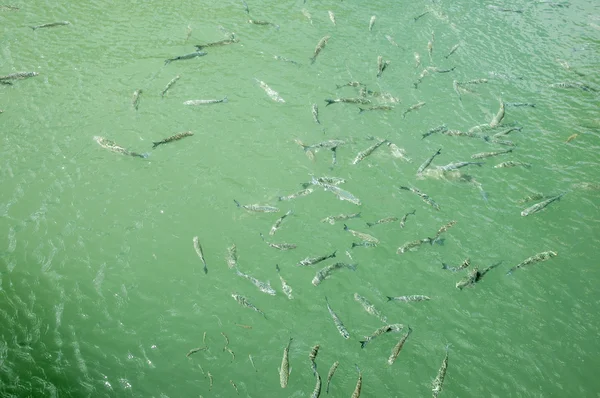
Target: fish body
x=363, y=154
x=439, y=380
x=463, y=265
x=278, y=222
x=231, y=257
x=356, y=393
x=434, y=130
x=338, y=323
x=51, y=25
x=406, y=299
x=112, y=146
x=332, y=17
x=262, y=286
x=520, y=104
x=428, y=161
x=200, y=253
x=452, y=50
x=499, y=116
x=284, y=370
x=274, y=95
x=412, y=246
x=578, y=85
x=443, y=229
x=372, y=22
x=326, y=272
x=507, y=131
x=317, y=391
x=348, y=101
x=382, y=221
x=511, y=163
x=258, y=208
x=169, y=85
x=282, y=246
x=331, y=373
x=340, y=193
x=423, y=196
x=421, y=16
x=534, y=259
x=315, y=113
x=474, y=81
x=362, y=236
x=298, y=194
x=135, y=101
x=490, y=154
x=186, y=56
x=417, y=60
x=430, y=49
x=458, y=165
x=18, y=76
x=376, y=108
x=287, y=289
x=263, y=23
x=500, y=142
x=363, y=243
x=172, y=138
x=350, y=84
x=320, y=46
x=231, y=40
x=384, y=329
x=398, y=347
x=468, y=280
x=370, y=308
x=391, y=40
x=458, y=133
x=403, y=220
x=312, y=357
x=381, y=65
x=572, y=137
x=195, y=350
x=314, y=260
x=243, y=301
x=205, y=101
x=341, y=217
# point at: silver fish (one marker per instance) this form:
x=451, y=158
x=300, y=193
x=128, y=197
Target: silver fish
x=382, y=221
x=376, y=108
x=423, y=196
x=439, y=380
x=398, y=347
x=507, y=131
x=243, y=301
x=458, y=133
x=534, y=259
x=428, y=161
x=403, y=220
x=274, y=95
x=391, y=40
x=172, y=138
x=331, y=373
x=277, y=224
x=578, y=85
x=372, y=22
x=533, y=196
x=258, y=208
x=350, y=84
x=356, y=393
x=263, y=23
x=332, y=17
x=512, y=163
x=18, y=76
x=307, y=15
x=407, y=299
x=287, y=289
x=262, y=286
x=412, y=246
x=326, y=272
x=284, y=59
x=468, y=280
x=338, y=323
x=363, y=243
x=205, y=101
x=362, y=236
x=340, y=193
x=169, y=85
x=320, y=46
x=499, y=116
x=519, y=104
x=443, y=229
x=284, y=370
x=490, y=154
x=417, y=60
x=348, y=101
x=463, y=265
x=315, y=113
x=135, y=101
x=434, y=130
x=341, y=217
x=500, y=142
x=363, y=154
x=317, y=391
x=458, y=165
x=279, y=246
x=298, y=194
x=314, y=260
x=200, y=253
x=384, y=329
x=113, y=147
x=51, y=25
x=370, y=308
x=186, y=56
x=231, y=40
x=452, y=50
x=231, y=257
x=539, y=206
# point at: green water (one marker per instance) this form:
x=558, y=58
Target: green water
x=102, y=293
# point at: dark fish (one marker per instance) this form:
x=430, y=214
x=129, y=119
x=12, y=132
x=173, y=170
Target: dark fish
x=428, y=161
x=186, y=56
x=232, y=40
x=421, y=16
x=18, y=76
x=452, y=50
x=413, y=107
x=200, y=253
x=438, y=129
x=51, y=25
x=403, y=220
x=172, y=138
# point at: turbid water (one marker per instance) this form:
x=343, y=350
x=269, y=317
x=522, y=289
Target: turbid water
x=103, y=294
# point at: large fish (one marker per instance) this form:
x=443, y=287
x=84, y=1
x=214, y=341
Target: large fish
x=284, y=370
x=382, y=330
x=458, y=165
x=274, y=95
x=18, y=76
x=534, y=259
x=135, y=101
x=175, y=137
x=315, y=113
x=372, y=22
x=362, y=236
x=539, y=206
x=200, y=252
x=298, y=194
x=312, y=358
x=363, y=154
x=434, y=130
x=320, y=46
x=338, y=323
x=113, y=147
x=398, y=347
x=512, y=163
x=439, y=380
x=326, y=272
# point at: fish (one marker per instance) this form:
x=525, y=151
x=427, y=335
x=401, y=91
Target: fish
x=384, y=329
x=512, y=163
x=539, y=206
x=382, y=221
x=338, y=323
x=135, y=101
x=205, y=101
x=252, y=362
x=112, y=146
x=169, y=85
x=231, y=352
x=428, y=161
x=370, y=308
x=298, y=194
x=243, y=301
x=264, y=287
x=210, y=381
x=258, y=208
x=398, y=152
x=226, y=340
x=482, y=155
x=412, y=246
x=434, y=130
x=519, y=104
x=381, y=65
x=421, y=16
x=284, y=370
x=18, y=76
x=263, y=23
x=312, y=356
x=499, y=116
x=195, y=350
x=356, y=393
x=578, y=85
x=413, y=107
x=500, y=142
x=274, y=95
x=317, y=391
x=533, y=196
x=439, y=380
x=320, y=46
x=543, y=256
x=287, y=289
x=307, y=15
x=331, y=373
x=341, y=217
x=463, y=265
x=315, y=113
x=363, y=154
x=572, y=137
x=5, y=7
x=341, y=193
x=458, y=133
x=391, y=40
x=458, y=165
x=200, y=253
x=474, y=81
x=332, y=17
x=443, y=229
x=314, y=260
x=468, y=280
x=362, y=236
x=246, y=7
x=231, y=257
x=175, y=137
x=347, y=100
x=430, y=49
x=403, y=220
x=452, y=50
x=407, y=299
x=364, y=244
x=376, y=108
x=398, y=347
x=326, y=272
x=277, y=224
x=372, y=22
x=231, y=40
x=423, y=196
x=279, y=246
x=186, y=56
x=350, y=84
x=326, y=179
x=438, y=70
x=417, y=60
x=51, y=25
x=234, y=386
x=284, y=59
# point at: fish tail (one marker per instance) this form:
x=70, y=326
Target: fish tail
x=439, y=151
x=329, y=102
x=390, y=298
x=360, y=110
x=363, y=344
x=237, y=203
x=312, y=60
x=225, y=100
x=445, y=266
x=345, y=227
x=167, y=61
x=155, y=144
x=370, y=224
x=406, y=188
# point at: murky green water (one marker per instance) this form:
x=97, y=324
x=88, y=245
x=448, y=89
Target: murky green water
x=102, y=293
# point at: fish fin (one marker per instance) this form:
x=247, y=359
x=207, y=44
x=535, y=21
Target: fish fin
x=237, y=203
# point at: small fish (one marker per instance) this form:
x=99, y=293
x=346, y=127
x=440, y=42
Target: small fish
x=423, y=196
x=490, y=154
x=363, y=154
x=314, y=260
x=198, y=249
x=188, y=33
x=231, y=352
x=264, y=287
x=112, y=146
x=231, y=40
x=458, y=165
x=572, y=137
x=452, y=50
x=341, y=217
x=263, y=23
x=338, y=323
x=384, y=329
x=407, y=299
x=391, y=40
x=331, y=373
x=382, y=221
x=512, y=163
x=376, y=108
x=362, y=236
x=205, y=101
x=578, y=85
x=298, y=194
x=413, y=108
x=258, y=208
x=421, y=16
x=315, y=113
x=274, y=95
x=403, y=220
x=519, y=104
x=417, y=60
x=277, y=224
x=51, y=25
x=474, y=81
x=135, y=101
x=539, y=206
x=500, y=142
x=186, y=56
x=312, y=356
x=468, y=280
x=381, y=65
x=326, y=272
x=443, y=229
x=18, y=76
x=234, y=386
x=439, y=380
x=320, y=46
x=195, y=350
x=279, y=246
x=499, y=116
x=307, y=15
x=463, y=265
x=246, y=7
x=534, y=259
x=534, y=196
x=243, y=301
x=412, y=246
x=287, y=289
x=252, y=362
x=372, y=22
x=169, y=85
x=317, y=391
x=341, y=193
x=458, y=133
x=284, y=370
x=497, y=8
x=231, y=257
x=332, y=17
x=210, y=381
x=430, y=49
x=398, y=347
x=356, y=393
x=363, y=243
x=370, y=308
x=434, y=130
x=284, y=59
x=350, y=84
x=226, y=340
x=347, y=100
x=172, y=138
x=5, y=7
